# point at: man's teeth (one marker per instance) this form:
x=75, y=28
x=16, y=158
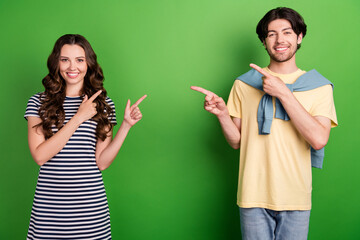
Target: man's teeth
x=281, y=49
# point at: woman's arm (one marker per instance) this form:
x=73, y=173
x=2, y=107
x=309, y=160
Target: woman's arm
x=107, y=150
x=43, y=150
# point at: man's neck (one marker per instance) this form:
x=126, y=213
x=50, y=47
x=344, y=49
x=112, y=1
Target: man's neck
x=283, y=67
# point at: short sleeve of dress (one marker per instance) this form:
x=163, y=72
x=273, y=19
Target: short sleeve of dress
x=324, y=104
x=33, y=105
x=112, y=116
x=234, y=101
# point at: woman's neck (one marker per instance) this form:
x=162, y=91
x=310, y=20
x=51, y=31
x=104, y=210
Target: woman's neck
x=73, y=91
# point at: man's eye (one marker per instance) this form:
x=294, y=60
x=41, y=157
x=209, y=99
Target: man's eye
x=271, y=35
x=287, y=33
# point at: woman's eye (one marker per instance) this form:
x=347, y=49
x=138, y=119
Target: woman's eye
x=81, y=60
x=63, y=60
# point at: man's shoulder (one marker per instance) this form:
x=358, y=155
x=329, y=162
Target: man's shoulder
x=252, y=78
x=312, y=79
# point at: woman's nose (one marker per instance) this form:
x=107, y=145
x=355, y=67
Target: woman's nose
x=72, y=65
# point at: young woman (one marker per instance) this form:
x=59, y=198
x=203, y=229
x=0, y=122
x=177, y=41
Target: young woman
x=70, y=129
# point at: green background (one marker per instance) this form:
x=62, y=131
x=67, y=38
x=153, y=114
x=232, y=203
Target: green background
x=176, y=177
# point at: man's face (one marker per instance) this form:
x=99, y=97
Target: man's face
x=281, y=41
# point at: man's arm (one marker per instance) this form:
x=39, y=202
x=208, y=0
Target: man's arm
x=315, y=129
x=216, y=105
x=232, y=135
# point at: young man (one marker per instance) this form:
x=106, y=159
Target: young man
x=278, y=116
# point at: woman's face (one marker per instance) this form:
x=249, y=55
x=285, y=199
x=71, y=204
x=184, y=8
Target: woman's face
x=73, y=65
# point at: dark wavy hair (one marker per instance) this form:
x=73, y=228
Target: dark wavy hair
x=51, y=111
x=295, y=19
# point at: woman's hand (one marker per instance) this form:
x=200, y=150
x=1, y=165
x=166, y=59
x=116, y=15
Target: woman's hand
x=43, y=149
x=132, y=113
x=87, y=108
x=107, y=150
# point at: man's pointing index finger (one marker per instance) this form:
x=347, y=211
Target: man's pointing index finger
x=202, y=90
x=259, y=69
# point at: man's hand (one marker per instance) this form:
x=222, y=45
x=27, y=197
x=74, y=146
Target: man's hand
x=216, y=105
x=132, y=113
x=272, y=85
x=212, y=103
x=315, y=129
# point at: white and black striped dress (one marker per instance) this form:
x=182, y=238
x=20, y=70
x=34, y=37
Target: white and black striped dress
x=70, y=200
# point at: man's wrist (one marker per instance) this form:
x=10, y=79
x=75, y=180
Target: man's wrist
x=223, y=115
x=285, y=95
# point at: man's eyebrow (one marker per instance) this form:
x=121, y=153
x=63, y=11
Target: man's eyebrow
x=288, y=28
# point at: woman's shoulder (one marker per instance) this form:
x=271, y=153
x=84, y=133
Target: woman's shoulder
x=37, y=98
x=109, y=101
x=112, y=116
x=33, y=105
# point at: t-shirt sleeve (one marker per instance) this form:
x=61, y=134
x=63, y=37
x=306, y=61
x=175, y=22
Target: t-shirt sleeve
x=324, y=104
x=112, y=116
x=33, y=105
x=234, y=101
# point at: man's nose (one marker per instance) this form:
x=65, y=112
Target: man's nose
x=280, y=38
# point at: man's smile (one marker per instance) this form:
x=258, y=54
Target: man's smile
x=281, y=49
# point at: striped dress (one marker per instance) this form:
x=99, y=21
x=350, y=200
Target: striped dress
x=70, y=200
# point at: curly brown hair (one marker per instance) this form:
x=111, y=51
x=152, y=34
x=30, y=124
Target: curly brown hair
x=51, y=111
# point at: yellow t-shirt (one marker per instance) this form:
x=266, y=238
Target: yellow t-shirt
x=275, y=169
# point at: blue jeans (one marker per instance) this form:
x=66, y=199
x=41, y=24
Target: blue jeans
x=265, y=224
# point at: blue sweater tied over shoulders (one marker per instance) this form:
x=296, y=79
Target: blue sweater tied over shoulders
x=305, y=82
